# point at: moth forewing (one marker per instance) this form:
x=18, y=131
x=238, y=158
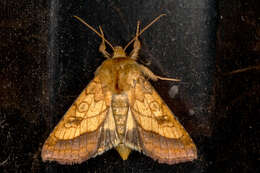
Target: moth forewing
x=119, y=108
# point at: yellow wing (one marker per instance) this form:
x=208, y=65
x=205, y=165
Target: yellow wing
x=87, y=128
x=161, y=136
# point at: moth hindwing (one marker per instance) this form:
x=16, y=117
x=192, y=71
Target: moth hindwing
x=119, y=108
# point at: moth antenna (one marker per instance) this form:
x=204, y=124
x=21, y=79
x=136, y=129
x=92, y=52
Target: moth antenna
x=102, y=47
x=137, y=28
x=145, y=28
x=90, y=27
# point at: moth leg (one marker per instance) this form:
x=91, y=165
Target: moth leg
x=137, y=44
x=102, y=47
x=147, y=72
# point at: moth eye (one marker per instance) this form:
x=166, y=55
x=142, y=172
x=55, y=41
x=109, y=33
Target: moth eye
x=83, y=107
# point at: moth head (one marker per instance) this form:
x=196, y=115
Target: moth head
x=118, y=51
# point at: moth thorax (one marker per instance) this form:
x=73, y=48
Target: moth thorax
x=119, y=52
x=120, y=111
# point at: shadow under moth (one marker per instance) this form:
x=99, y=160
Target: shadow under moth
x=119, y=108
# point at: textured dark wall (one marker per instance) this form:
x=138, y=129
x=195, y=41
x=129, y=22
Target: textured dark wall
x=47, y=57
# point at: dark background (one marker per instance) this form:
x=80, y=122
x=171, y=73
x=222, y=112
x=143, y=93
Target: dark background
x=47, y=57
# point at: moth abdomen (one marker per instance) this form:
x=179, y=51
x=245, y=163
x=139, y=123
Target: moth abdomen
x=120, y=107
x=120, y=110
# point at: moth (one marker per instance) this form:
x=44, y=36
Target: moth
x=119, y=109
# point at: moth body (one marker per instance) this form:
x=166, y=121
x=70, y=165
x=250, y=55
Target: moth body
x=118, y=75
